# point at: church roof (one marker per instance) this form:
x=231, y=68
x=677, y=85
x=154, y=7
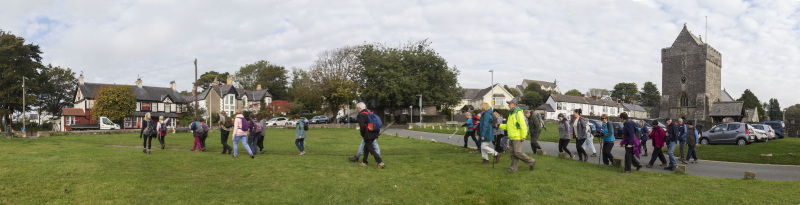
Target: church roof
x=726, y=109
x=725, y=97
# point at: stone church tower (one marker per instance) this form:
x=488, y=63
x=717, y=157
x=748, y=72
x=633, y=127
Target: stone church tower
x=690, y=78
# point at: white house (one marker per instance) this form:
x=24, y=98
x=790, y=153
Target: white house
x=591, y=106
x=474, y=97
x=546, y=86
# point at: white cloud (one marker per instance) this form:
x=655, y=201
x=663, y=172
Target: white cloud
x=582, y=44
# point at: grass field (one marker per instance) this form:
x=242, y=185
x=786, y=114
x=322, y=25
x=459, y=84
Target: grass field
x=549, y=135
x=110, y=169
x=751, y=153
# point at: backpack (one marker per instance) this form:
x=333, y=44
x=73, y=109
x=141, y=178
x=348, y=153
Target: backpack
x=588, y=129
x=198, y=128
x=163, y=130
x=257, y=127
x=244, y=124
x=227, y=122
x=149, y=130
x=475, y=122
x=374, y=123
x=204, y=127
x=305, y=125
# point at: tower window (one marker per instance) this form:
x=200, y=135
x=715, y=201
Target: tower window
x=684, y=100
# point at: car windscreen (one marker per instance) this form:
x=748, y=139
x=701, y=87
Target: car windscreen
x=760, y=127
x=719, y=128
x=774, y=126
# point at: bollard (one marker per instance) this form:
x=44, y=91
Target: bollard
x=749, y=175
x=541, y=152
x=440, y=127
x=420, y=137
x=680, y=169
x=410, y=127
x=617, y=162
x=563, y=155
x=396, y=134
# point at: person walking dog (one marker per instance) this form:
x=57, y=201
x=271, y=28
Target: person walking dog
x=517, y=129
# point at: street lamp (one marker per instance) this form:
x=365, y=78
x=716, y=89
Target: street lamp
x=784, y=114
x=420, y=109
x=492, y=86
x=411, y=114
x=24, y=132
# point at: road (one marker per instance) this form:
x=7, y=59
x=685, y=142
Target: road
x=702, y=168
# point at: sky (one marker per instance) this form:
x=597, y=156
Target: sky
x=581, y=44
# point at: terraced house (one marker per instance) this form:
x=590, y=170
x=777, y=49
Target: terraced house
x=227, y=98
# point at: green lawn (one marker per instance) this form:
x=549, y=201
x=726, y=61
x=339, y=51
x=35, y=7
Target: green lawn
x=751, y=153
x=549, y=135
x=100, y=169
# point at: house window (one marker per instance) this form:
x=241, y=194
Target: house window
x=145, y=106
x=560, y=106
x=168, y=107
x=684, y=100
x=70, y=120
x=499, y=100
x=229, y=104
x=405, y=111
x=138, y=106
x=423, y=111
x=128, y=122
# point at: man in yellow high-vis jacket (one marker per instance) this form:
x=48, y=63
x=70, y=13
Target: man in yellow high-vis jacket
x=517, y=129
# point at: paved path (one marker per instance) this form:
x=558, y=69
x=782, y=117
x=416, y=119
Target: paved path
x=703, y=168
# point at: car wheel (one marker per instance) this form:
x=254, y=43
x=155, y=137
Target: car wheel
x=741, y=142
x=704, y=141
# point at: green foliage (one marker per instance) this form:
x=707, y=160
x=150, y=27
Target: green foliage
x=246, y=77
x=513, y=91
x=751, y=101
x=273, y=77
x=17, y=61
x=574, y=92
x=306, y=96
x=394, y=76
x=600, y=93
x=114, y=102
x=336, y=74
x=57, y=88
x=774, y=110
x=651, y=97
x=626, y=92
x=793, y=112
x=207, y=79
x=532, y=99
x=533, y=87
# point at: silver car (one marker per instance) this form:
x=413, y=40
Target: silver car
x=766, y=129
x=729, y=133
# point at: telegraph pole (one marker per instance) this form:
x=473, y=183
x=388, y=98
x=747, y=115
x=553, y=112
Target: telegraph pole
x=194, y=91
x=24, y=132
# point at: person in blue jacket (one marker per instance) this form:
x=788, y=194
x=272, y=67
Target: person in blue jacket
x=608, y=140
x=486, y=133
x=471, y=128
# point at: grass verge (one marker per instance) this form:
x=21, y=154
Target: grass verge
x=780, y=150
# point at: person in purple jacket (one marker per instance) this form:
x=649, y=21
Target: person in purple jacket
x=631, y=143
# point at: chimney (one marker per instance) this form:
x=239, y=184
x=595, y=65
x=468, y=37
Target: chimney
x=216, y=82
x=80, y=79
x=139, y=83
x=230, y=81
x=595, y=97
x=258, y=87
x=172, y=85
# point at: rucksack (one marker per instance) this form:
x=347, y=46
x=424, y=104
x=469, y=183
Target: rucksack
x=305, y=125
x=163, y=130
x=204, y=127
x=374, y=123
x=149, y=131
x=244, y=124
x=227, y=122
x=256, y=127
x=476, y=122
x=198, y=128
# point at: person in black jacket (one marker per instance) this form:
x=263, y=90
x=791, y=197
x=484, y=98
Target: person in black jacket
x=368, y=136
x=629, y=138
x=148, y=137
x=673, y=133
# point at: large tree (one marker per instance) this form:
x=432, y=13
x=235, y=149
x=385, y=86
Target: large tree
x=273, y=77
x=513, y=91
x=574, y=92
x=246, y=77
x=114, y=102
x=751, y=101
x=532, y=99
x=18, y=60
x=394, y=76
x=207, y=79
x=337, y=73
x=774, y=110
x=793, y=112
x=306, y=96
x=599, y=92
x=57, y=85
x=626, y=92
x=650, y=96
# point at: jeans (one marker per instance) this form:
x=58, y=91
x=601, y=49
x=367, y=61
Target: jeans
x=657, y=154
x=299, y=143
x=589, y=143
x=236, y=140
x=630, y=158
x=197, y=143
x=161, y=139
x=370, y=150
x=517, y=154
x=361, y=148
x=535, y=143
x=682, y=143
x=580, y=149
x=486, y=150
x=224, y=138
x=607, y=156
x=148, y=142
x=691, y=153
x=671, y=153
x=252, y=141
x=562, y=146
x=203, y=140
x=644, y=147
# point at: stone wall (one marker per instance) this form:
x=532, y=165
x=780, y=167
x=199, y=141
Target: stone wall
x=689, y=69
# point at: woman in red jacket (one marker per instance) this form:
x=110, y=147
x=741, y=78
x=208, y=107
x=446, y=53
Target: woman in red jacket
x=657, y=137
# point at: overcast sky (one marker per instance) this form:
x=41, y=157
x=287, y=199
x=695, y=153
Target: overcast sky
x=582, y=44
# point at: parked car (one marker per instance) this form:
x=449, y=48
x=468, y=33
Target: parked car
x=292, y=122
x=766, y=129
x=319, y=119
x=618, y=129
x=596, y=126
x=729, y=133
x=278, y=121
x=761, y=136
x=344, y=120
x=778, y=126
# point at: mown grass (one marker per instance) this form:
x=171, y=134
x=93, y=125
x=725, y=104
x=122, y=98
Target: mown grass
x=94, y=169
x=780, y=150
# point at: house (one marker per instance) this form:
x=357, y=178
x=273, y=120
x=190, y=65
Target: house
x=474, y=97
x=591, y=106
x=635, y=111
x=227, y=98
x=159, y=101
x=546, y=111
x=546, y=86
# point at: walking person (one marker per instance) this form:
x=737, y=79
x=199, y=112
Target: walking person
x=643, y=136
x=197, y=132
x=225, y=125
x=579, y=133
x=499, y=133
x=369, y=136
x=564, y=130
x=204, y=136
x=671, y=139
x=300, y=134
x=682, y=140
x=361, y=150
x=517, y=130
x=148, y=132
x=486, y=133
x=535, y=126
x=162, y=130
x=240, y=134
x=472, y=126
x=657, y=138
x=608, y=139
x=691, y=140
x=255, y=133
x=631, y=143
x=260, y=142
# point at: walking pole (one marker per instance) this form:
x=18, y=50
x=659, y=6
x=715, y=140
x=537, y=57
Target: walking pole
x=601, y=150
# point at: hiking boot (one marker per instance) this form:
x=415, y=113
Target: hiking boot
x=262, y=151
x=302, y=153
x=144, y=150
x=663, y=165
x=497, y=158
x=148, y=151
x=683, y=161
x=381, y=165
x=594, y=154
x=649, y=166
x=162, y=146
x=224, y=150
x=533, y=164
x=362, y=164
x=252, y=156
x=638, y=167
x=352, y=159
x=485, y=161
x=233, y=157
x=669, y=168
x=694, y=162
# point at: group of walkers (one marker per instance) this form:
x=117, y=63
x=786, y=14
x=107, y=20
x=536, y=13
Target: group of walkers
x=491, y=128
x=152, y=130
x=678, y=134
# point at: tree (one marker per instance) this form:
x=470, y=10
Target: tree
x=278, y=108
x=600, y=93
x=574, y=92
x=793, y=112
x=246, y=77
x=17, y=61
x=626, y=92
x=273, y=77
x=57, y=86
x=513, y=91
x=304, y=92
x=394, y=76
x=751, y=101
x=651, y=97
x=774, y=110
x=336, y=74
x=532, y=99
x=207, y=79
x=115, y=102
